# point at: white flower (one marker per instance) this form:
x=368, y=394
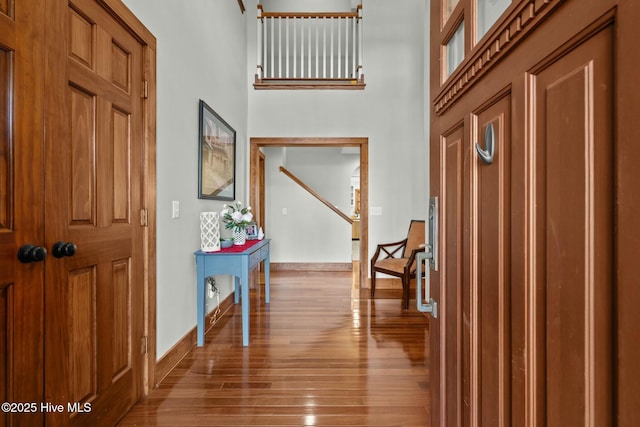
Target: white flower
x=236, y=216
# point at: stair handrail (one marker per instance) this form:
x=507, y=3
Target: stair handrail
x=315, y=194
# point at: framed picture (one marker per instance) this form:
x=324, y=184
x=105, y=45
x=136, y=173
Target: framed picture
x=216, y=156
x=252, y=231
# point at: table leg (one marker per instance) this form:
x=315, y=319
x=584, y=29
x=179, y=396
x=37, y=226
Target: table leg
x=236, y=294
x=244, y=286
x=266, y=277
x=200, y=300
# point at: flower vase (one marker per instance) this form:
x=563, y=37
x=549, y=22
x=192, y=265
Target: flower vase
x=239, y=236
x=209, y=231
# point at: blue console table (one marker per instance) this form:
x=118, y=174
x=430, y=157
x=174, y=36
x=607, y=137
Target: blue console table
x=238, y=262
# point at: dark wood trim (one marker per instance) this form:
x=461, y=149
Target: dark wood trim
x=522, y=18
x=304, y=84
x=309, y=142
x=241, y=4
x=175, y=354
x=138, y=29
x=627, y=291
x=311, y=266
x=315, y=194
x=310, y=14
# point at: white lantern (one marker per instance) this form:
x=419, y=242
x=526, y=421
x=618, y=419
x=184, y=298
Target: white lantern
x=209, y=231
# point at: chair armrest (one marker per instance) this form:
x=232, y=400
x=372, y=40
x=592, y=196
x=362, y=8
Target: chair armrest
x=382, y=247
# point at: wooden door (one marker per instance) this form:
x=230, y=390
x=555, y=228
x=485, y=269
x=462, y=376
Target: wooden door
x=94, y=156
x=526, y=333
x=21, y=182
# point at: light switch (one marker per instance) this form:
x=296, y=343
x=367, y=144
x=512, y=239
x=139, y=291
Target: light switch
x=284, y=211
x=175, y=209
x=375, y=211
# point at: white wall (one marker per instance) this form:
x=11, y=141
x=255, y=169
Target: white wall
x=390, y=111
x=313, y=233
x=201, y=54
x=206, y=49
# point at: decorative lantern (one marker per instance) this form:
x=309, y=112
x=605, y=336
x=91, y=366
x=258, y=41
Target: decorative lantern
x=209, y=231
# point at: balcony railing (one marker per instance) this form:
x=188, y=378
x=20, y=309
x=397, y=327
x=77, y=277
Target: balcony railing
x=309, y=50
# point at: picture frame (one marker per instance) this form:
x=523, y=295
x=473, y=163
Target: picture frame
x=216, y=156
x=252, y=231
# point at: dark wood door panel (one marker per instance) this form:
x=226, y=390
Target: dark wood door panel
x=491, y=283
x=574, y=233
x=452, y=298
x=5, y=333
x=6, y=153
x=551, y=317
x=94, y=148
x=81, y=181
x=21, y=206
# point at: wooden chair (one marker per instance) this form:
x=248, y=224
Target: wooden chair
x=398, y=259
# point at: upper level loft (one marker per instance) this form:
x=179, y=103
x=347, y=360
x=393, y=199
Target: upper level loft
x=309, y=50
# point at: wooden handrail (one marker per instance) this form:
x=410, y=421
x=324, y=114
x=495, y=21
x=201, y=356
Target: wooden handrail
x=316, y=195
x=306, y=15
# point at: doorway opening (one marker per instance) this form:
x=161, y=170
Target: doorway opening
x=256, y=177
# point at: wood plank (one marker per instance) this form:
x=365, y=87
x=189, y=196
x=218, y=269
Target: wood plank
x=312, y=266
x=166, y=364
x=319, y=355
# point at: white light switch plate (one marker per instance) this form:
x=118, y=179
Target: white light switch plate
x=375, y=211
x=175, y=209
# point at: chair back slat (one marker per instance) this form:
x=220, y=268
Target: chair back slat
x=415, y=237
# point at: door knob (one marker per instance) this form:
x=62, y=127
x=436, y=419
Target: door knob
x=63, y=249
x=31, y=253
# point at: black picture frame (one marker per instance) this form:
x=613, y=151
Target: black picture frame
x=216, y=156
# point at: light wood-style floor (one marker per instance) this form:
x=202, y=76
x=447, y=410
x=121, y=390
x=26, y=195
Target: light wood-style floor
x=319, y=355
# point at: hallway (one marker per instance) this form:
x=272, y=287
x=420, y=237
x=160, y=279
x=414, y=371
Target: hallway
x=318, y=356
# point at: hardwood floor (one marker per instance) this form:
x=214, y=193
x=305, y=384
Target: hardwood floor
x=319, y=355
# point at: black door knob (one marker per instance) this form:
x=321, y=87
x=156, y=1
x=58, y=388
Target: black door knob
x=31, y=253
x=63, y=249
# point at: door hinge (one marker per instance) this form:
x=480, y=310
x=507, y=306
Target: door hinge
x=145, y=89
x=144, y=217
x=145, y=345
